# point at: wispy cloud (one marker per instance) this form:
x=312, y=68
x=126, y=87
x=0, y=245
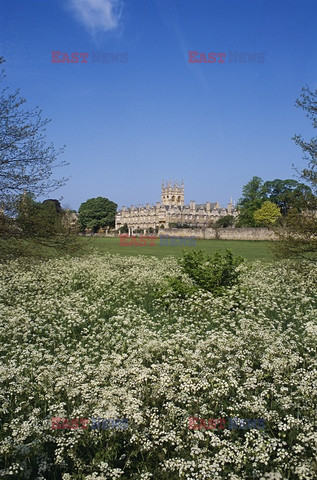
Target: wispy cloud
x=169, y=15
x=97, y=15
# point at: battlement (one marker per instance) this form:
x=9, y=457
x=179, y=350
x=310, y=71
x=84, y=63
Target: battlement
x=172, y=194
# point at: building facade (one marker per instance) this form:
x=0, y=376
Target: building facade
x=171, y=211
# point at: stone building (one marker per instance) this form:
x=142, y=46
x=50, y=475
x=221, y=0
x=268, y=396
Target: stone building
x=172, y=211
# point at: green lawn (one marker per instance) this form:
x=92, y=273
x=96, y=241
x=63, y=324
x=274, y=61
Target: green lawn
x=252, y=250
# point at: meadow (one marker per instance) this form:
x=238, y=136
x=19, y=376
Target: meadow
x=95, y=337
x=251, y=250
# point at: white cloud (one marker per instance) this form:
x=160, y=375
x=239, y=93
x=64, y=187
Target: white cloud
x=98, y=14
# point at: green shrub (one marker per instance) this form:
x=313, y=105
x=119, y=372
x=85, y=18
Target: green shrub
x=180, y=288
x=214, y=272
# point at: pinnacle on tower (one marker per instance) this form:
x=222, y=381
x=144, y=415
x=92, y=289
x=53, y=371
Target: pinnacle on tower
x=172, y=194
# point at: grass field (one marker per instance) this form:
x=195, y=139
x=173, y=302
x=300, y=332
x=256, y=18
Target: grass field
x=251, y=250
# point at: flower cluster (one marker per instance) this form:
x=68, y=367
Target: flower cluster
x=249, y=354
x=59, y=423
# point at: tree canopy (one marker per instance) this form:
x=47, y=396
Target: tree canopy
x=298, y=238
x=267, y=215
x=286, y=194
x=27, y=164
x=97, y=213
x=224, y=222
x=252, y=199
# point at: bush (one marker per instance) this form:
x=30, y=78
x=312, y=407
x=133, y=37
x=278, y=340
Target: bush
x=224, y=222
x=179, y=225
x=177, y=288
x=214, y=272
x=124, y=229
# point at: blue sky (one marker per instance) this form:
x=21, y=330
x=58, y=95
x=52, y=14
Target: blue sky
x=129, y=125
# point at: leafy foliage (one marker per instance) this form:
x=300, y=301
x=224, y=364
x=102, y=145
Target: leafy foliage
x=250, y=202
x=26, y=168
x=179, y=225
x=97, y=213
x=214, y=272
x=124, y=228
x=286, y=194
x=298, y=237
x=36, y=227
x=267, y=215
x=224, y=222
x=38, y=219
x=308, y=102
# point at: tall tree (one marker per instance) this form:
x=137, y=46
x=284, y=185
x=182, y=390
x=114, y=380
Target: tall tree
x=97, y=213
x=287, y=194
x=250, y=202
x=27, y=164
x=38, y=220
x=298, y=238
x=26, y=161
x=308, y=102
x=37, y=230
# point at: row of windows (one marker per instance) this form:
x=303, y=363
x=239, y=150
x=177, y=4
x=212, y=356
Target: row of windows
x=171, y=211
x=146, y=218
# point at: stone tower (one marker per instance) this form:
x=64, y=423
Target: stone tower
x=172, y=195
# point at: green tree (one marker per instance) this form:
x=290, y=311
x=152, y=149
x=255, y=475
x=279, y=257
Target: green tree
x=224, y=222
x=308, y=102
x=267, y=215
x=288, y=194
x=97, y=213
x=37, y=230
x=36, y=219
x=252, y=199
x=298, y=237
x=124, y=228
x=27, y=163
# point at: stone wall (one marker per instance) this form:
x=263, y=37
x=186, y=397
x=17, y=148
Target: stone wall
x=222, y=233
x=210, y=233
x=246, y=234
x=107, y=234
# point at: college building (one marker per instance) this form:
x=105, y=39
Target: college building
x=171, y=211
